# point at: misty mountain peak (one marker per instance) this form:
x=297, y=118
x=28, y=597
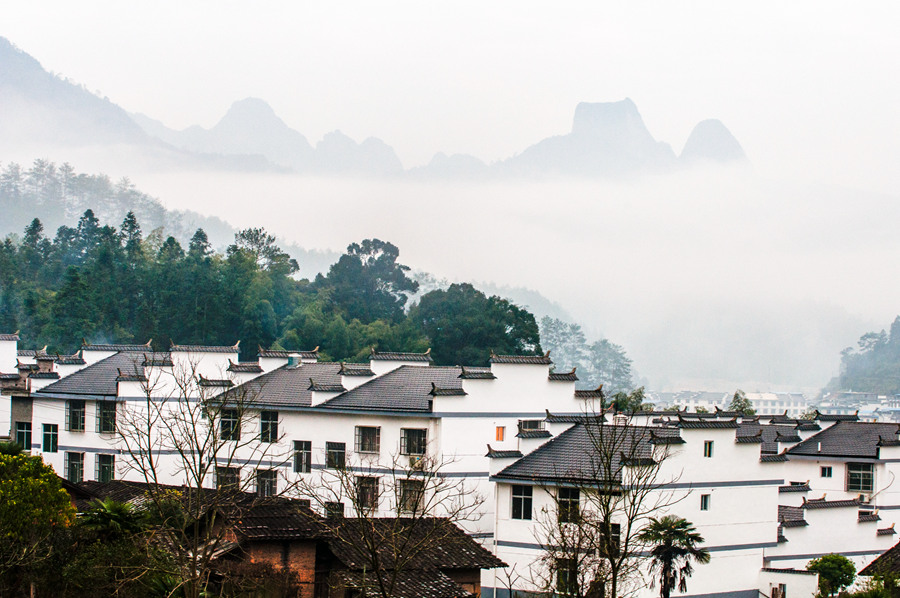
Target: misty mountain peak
x=251, y=109
x=711, y=140
x=609, y=119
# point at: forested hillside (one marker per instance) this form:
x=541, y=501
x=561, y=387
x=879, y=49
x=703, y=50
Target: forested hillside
x=108, y=284
x=874, y=365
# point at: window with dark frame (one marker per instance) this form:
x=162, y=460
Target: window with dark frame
x=302, y=456
x=230, y=425
x=610, y=538
x=75, y=415
x=266, y=482
x=228, y=478
x=23, y=435
x=106, y=468
x=825, y=471
x=51, y=438
x=74, y=466
x=568, y=505
x=335, y=455
x=566, y=576
x=521, y=501
x=368, y=439
x=704, y=502
x=860, y=477
x=708, y=448
x=334, y=510
x=413, y=441
x=106, y=417
x=412, y=493
x=268, y=426
x=366, y=492
x=531, y=424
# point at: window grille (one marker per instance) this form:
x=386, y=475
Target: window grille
x=412, y=493
x=268, y=426
x=51, y=438
x=860, y=477
x=335, y=455
x=366, y=492
x=368, y=439
x=106, y=468
x=228, y=477
x=74, y=466
x=521, y=501
x=23, y=435
x=266, y=482
x=75, y=415
x=230, y=425
x=106, y=417
x=413, y=441
x=334, y=510
x=568, y=505
x=302, y=456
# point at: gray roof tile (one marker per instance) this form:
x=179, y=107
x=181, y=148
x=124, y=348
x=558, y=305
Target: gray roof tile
x=204, y=348
x=477, y=373
x=523, y=359
x=407, y=388
x=397, y=356
x=563, y=376
x=847, y=439
x=9, y=337
x=287, y=386
x=117, y=348
x=98, y=378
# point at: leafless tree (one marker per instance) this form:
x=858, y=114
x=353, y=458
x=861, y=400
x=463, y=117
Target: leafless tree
x=193, y=445
x=398, y=513
x=601, y=500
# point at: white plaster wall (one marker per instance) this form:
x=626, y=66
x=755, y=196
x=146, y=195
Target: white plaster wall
x=383, y=366
x=798, y=585
x=8, y=351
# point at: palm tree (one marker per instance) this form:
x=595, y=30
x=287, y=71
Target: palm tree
x=110, y=519
x=674, y=541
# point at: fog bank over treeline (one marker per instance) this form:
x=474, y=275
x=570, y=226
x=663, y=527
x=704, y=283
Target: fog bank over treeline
x=712, y=279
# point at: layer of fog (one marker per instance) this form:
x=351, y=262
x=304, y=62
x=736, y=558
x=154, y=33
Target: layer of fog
x=710, y=282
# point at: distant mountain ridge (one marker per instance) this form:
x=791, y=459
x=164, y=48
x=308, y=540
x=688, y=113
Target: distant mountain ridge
x=606, y=139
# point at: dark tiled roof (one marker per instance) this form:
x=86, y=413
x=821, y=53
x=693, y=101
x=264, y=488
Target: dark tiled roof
x=318, y=387
x=563, y=376
x=407, y=388
x=162, y=360
x=98, y=378
x=846, y=439
x=808, y=426
x=888, y=442
x=663, y=436
x=781, y=538
x=868, y=516
x=523, y=359
x=281, y=354
x=572, y=455
x=789, y=437
x=9, y=337
x=396, y=356
x=419, y=583
x=76, y=359
x=790, y=571
x=9, y=376
x=279, y=519
x=495, y=454
x=436, y=391
x=794, y=488
x=204, y=348
x=213, y=382
x=441, y=544
x=597, y=393
x=770, y=434
x=356, y=369
x=837, y=417
x=791, y=516
x=690, y=423
x=552, y=418
x=474, y=373
x=286, y=386
x=26, y=352
x=44, y=375
x=779, y=458
x=131, y=377
x=889, y=562
x=729, y=414
x=886, y=531
x=755, y=439
x=821, y=503
x=117, y=348
x=533, y=434
x=30, y=367
x=247, y=367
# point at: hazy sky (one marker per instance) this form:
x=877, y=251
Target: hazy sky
x=809, y=88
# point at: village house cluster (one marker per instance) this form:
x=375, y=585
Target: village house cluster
x=512, y=450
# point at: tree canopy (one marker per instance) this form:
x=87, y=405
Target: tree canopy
x=464, y=325
x=104, y=284
x=874, y=365
x=836, y=572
